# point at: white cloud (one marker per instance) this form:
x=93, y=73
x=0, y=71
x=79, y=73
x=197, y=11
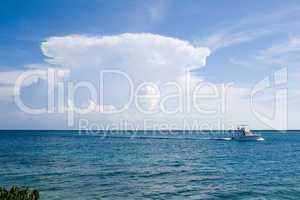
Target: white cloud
x=7, y=83
x=141, y=56
x=142, y=52
x=6, y=92
x=94, y=107
x=8, y=78
x=153, y=58
x=145, y=58
x=289, y=46
x=228, y=38
x=251, y=28
x=281, y=54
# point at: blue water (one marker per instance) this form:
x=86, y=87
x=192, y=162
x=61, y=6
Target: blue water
x=66, y=165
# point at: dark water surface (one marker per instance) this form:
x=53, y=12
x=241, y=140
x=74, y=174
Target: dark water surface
x=65, y=165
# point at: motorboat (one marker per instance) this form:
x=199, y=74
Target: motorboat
x=245, y=134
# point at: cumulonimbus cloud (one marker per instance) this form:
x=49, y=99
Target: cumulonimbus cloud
x=143, y=55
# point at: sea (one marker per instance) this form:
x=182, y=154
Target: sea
x=73, y=165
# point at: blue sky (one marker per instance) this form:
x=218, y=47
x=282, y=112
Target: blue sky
x=248, y=40
x=27, y=24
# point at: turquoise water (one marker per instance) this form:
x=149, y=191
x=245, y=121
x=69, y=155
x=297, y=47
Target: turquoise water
x=65, y=165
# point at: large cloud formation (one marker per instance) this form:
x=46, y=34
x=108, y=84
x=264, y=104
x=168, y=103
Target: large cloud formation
x=144, y=55
x=144, y=58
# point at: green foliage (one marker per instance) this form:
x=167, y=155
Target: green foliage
x=16, y=193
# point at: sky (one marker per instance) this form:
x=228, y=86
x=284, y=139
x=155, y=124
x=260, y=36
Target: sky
x=165, y=64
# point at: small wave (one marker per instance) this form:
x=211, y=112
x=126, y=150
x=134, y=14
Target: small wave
x=226, y=138
x=185, y=138
x=170, y=138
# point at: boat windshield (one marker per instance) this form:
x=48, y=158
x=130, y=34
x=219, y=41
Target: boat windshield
x=245, y=130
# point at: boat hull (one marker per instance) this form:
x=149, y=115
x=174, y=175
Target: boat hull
x=248, y=138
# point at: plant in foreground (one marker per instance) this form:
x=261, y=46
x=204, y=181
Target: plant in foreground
x=16, y=193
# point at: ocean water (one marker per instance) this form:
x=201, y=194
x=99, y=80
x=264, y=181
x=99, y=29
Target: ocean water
x=66, y=165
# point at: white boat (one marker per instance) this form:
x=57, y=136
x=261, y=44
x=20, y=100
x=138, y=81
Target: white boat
x=245, y=134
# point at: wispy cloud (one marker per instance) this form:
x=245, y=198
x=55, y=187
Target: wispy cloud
x=290, y=46
x=157, y=11
x=281, y=54
x=241, y=62
x=251, y=28
x=230, y=37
